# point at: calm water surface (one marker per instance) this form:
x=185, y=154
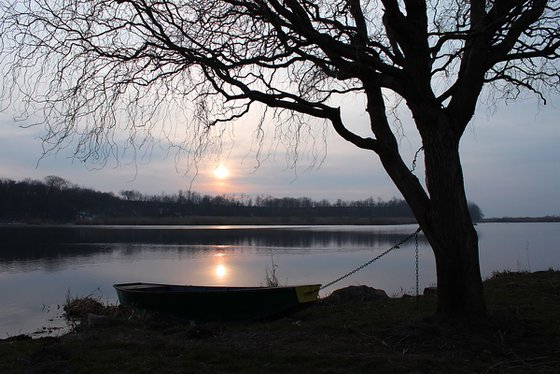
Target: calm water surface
x=40, y=266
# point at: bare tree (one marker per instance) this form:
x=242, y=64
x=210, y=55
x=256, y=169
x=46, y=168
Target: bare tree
x=54, y=182
x=90, y=66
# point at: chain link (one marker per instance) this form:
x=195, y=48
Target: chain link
x=396, y=246
x=417, y=288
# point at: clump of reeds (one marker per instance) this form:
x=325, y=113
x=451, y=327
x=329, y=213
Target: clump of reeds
x=505, y=273
x=79, y=310
x=271, y=280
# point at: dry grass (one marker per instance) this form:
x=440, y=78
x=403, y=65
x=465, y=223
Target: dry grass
x=385, y=336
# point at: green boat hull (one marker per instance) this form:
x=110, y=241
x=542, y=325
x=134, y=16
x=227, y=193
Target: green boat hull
x=216, y=303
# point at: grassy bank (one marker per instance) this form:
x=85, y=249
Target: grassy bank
x=385, y=336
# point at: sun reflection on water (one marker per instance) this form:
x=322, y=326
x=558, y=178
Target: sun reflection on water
x=220, y=268
x=220, y=271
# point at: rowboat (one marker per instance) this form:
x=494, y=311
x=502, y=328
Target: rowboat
x=215, y=303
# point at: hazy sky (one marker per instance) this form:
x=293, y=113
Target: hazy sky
x=511, y=164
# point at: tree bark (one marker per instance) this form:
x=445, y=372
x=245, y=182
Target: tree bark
x=450, y=231
x=444, y=217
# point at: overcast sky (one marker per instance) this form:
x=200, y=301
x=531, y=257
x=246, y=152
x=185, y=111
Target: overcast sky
x=511, y=164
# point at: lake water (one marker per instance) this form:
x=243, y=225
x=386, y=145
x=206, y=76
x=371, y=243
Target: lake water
x=40, y=266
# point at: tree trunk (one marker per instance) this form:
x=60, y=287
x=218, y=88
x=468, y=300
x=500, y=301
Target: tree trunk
x=450, y=231
x=444, y=217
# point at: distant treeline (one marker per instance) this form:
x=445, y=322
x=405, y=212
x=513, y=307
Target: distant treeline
x=57, y=200
x=523, y=219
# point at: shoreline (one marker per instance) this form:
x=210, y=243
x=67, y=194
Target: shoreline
x=350, y=336
x=262, y=221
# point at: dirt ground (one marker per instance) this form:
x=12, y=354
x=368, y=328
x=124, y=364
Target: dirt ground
x=388, y=335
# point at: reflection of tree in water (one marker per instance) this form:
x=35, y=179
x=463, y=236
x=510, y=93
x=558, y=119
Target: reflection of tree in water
x=57, y=243
x=51, y=257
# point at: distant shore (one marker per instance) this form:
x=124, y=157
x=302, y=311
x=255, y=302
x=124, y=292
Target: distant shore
x=522, y=219
x=268, y=221
x=253, y=221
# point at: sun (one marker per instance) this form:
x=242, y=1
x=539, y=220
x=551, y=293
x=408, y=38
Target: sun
x=221, y=172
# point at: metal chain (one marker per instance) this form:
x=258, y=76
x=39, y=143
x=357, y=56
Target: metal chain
x=372, y=260
x=417, y=288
